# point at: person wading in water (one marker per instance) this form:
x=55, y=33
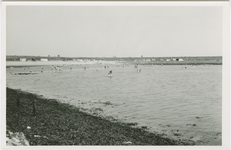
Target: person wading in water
x=110, y=73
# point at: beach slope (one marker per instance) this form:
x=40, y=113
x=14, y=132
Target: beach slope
x=53, y=123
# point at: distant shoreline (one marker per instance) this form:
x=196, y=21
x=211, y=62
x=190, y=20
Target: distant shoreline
x=53, y=63
x=39, y=63
x=173, y=60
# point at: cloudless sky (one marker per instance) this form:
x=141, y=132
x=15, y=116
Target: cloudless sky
x=122, y=31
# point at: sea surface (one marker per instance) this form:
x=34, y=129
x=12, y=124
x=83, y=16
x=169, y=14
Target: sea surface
x=182, y=102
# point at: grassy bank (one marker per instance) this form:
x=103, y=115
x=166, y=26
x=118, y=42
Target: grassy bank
x=55, y=123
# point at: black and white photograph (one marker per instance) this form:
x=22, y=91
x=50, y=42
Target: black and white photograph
x=115, y=74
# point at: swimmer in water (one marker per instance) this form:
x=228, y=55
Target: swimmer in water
x=139, y=70
x=136, y=66
x=110, y=73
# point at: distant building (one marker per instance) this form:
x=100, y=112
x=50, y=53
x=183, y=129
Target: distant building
x=44, y=59
x=167, y=59
x=22, y=59
x=181, y=59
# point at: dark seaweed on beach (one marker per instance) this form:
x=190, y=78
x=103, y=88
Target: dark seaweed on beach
x=56, y=123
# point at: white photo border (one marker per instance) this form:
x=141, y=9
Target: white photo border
x=225, y=69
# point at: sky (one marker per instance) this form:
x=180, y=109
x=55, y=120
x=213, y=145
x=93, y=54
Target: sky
x=121, y=31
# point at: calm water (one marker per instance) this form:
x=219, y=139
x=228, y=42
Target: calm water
x=167, y=99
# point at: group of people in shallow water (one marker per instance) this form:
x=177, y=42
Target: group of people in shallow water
x=59, y=68
x=106, y=67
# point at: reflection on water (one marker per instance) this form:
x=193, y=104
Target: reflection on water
x=177, y=101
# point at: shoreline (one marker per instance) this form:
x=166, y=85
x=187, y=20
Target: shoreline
x=55, y=63
x=17, y=64
x=56, y=123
